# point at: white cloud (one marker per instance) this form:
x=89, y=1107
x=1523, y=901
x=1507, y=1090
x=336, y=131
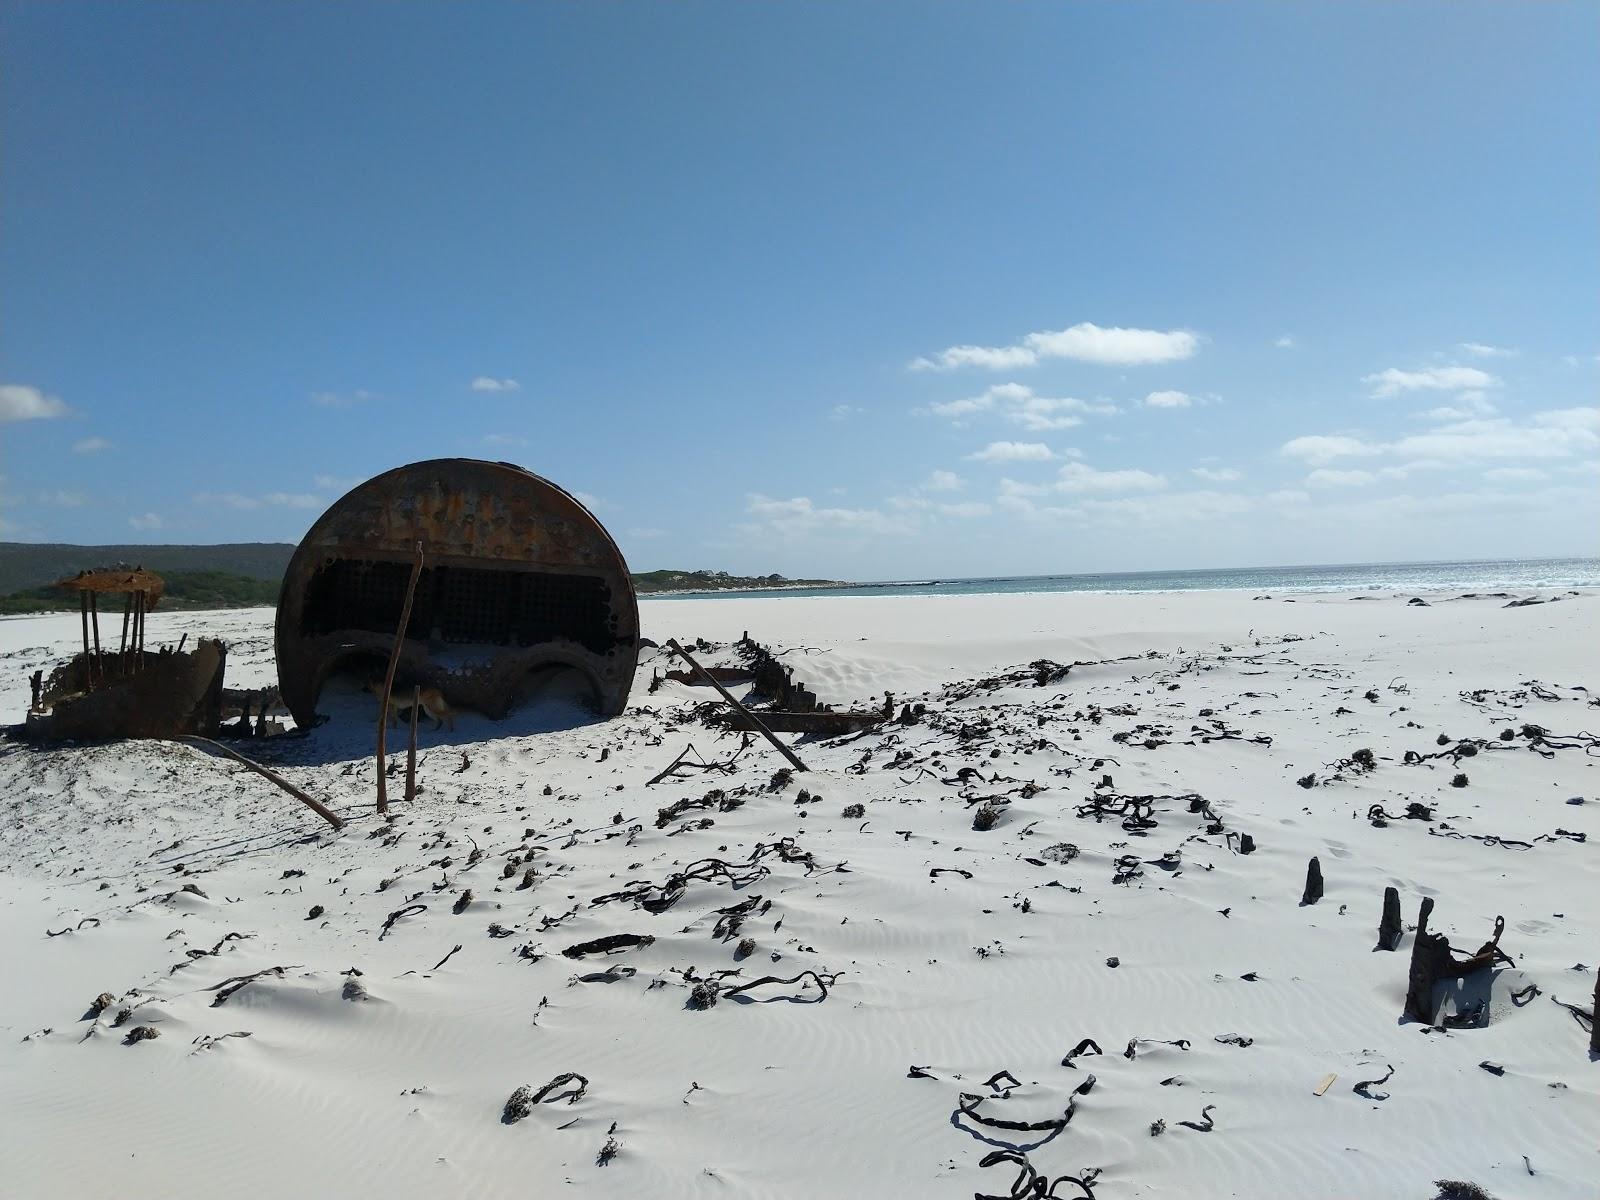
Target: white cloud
x=943, y=481
x=147, y=520
x=843, y=412
x=1013, y=452
x=238, y=500
x=1021, y=406
x=1321, y=449
x=1322, y=477
x=1084, y=342
x=996, y=358
x=1463, y=408
x=798, y=515
x=1168, y=399
x=1582, y=420
x=19, y=402
x=488, y=383
x=1394, y=382
x=1286, y=342
x=965, y=509
x=1151, y=511
x=1216, y=474
x=91, y=445
x=590, y=501
x=1557, y=433
x=336, y=483
x=1480, y=350
x=1079, y=477
x=294, y=500
x=1515, y=475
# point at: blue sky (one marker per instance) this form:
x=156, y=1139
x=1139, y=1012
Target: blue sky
x=867, y=291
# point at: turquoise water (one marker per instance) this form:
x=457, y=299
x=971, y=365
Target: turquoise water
x=1481, y=576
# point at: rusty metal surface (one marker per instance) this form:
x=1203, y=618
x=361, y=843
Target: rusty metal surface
x=516, y=568
x=116, y=579
x=174, y=692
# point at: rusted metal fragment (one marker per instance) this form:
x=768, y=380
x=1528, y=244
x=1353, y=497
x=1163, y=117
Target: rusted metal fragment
x=724, y=675
x=519, y=577
x=819, y=722
x=117, y=580
x=174, y=693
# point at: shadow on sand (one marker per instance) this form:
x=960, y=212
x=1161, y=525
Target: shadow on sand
x=550, y=703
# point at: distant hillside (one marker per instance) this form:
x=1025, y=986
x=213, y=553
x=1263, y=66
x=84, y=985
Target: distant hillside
x=717, y=581
x=185, y=589
x=27, y=565
x=241, y=574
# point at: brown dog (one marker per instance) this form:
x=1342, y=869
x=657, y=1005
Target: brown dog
x=431, y=699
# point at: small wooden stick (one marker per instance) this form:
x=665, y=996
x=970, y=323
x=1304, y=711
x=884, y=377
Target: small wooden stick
x=411, y=747
x=388, y=679
x=315, y=806
x=88, y=663
x=755, y=722
x=1594, y=1025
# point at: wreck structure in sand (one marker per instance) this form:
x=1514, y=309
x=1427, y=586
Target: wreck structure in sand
x=519, y=578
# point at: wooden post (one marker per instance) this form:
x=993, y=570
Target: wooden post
x=1430, y=962
x=388, y=679
x=411, y=747
x=755, y=722
x=315, y=806
x=1313, y=891
x=94, y=621
x=122, y=650
x=1390, y=927
x=138, y=632
x=88, y=663
x=1594, y=1023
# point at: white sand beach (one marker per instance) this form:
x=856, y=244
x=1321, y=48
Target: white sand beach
x=347, y=1013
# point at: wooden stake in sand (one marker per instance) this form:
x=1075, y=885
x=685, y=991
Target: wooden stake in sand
x=314, y=805
x=1390, y=927
x=411, y=746
x=1313, y=890
x=1594, y=1023
x=755, y=722
x=388, y=679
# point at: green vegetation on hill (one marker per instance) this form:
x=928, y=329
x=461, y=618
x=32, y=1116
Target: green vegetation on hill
x=185, y=589
x=244, y=575
x=716, y=581
x=26, y=565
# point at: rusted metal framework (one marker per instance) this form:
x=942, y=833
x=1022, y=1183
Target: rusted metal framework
x=130, y=691
x=141, y=591
x=519, y=577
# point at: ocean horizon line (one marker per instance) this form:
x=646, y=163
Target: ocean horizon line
x=1419, y=576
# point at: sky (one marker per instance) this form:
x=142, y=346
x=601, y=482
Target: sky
x=871, y=291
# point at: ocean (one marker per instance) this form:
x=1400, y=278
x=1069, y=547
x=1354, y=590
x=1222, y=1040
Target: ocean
x=1470, y=576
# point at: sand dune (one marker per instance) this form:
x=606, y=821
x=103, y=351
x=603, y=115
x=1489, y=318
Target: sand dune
x=358, y=1052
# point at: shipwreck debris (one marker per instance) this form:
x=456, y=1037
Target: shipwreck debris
x=1432, y=959
x=520, y=578
x=131, y=692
